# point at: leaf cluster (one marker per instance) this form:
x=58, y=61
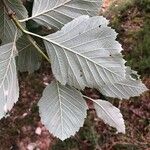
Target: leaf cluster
x=83, y=52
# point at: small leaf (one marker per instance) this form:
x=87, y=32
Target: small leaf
x=56, y=14
x=109, y=114
x=62, y=110
x=7, y=27
x=28, y=58
x=9, y=89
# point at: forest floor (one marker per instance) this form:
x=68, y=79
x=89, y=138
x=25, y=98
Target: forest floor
x=22, y=129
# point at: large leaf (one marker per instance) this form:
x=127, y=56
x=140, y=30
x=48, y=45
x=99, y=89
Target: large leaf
x=85, y=53
x=28, y=58
x=7, y=27
x=9, y=90
x=56, y=13
x=109, y=114
x=62, y=110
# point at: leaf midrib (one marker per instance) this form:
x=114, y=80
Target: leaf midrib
x=105, y=112
x=76, y=53
x=8, y=66
x=60, y=105
x=44, y=12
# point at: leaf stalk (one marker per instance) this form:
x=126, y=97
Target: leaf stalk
x=11, y=14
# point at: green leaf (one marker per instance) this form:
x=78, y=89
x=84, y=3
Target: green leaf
x=18, y=8
x=62, y=110
x=109, y=114
x=9, y=90
x=28, y=58
x=7, y=27
x=126, y=88
x=85, y=53
x=56, y=14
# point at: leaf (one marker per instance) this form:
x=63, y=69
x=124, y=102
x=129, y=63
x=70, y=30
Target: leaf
x=7, y=27
x=18, y=7
x=126, y=88
x=62, y=110
x=9, y=90
x=85, y=53
x=28, y=58
x=109, y=114
x=56, y=14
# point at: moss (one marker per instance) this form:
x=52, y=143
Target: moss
x=118, y=12
x=143, y=5
x=121, y=6
x=125, y=147
x=65, y=145
x=139, y=58
x=135, y=35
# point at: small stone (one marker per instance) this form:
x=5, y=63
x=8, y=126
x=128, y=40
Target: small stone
x=25, y=114
x=38, y=131
x=31, y=146
x=45, y=83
